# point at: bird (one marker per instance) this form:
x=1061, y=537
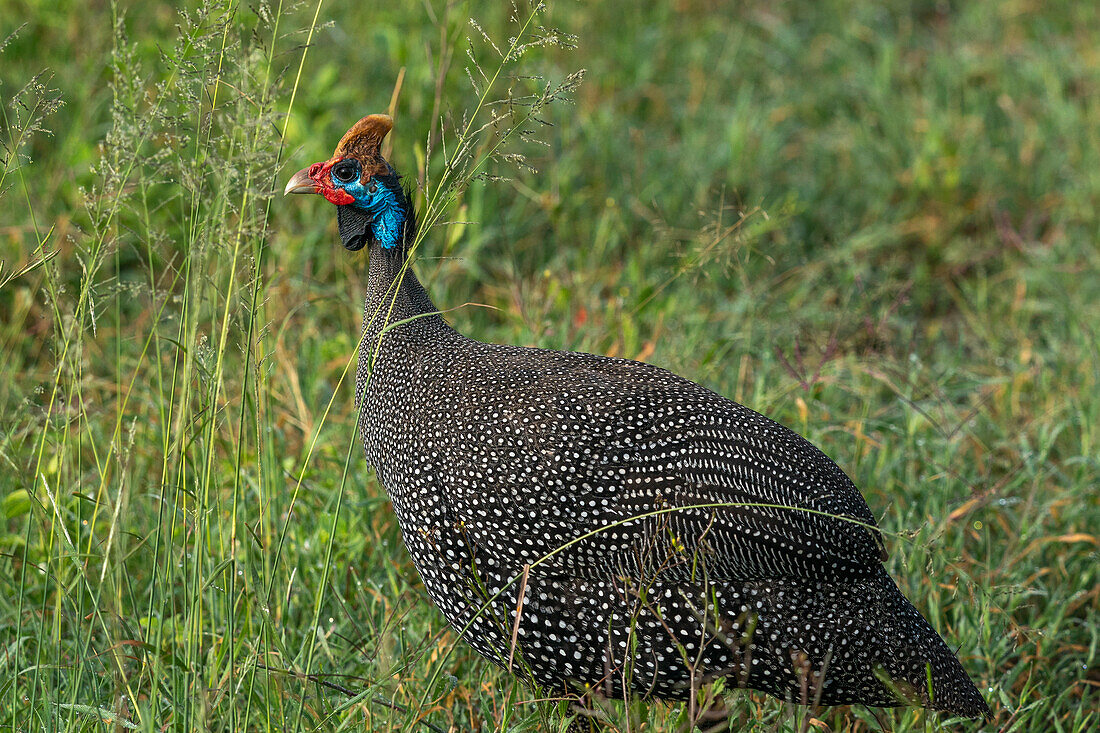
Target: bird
x=598, y=525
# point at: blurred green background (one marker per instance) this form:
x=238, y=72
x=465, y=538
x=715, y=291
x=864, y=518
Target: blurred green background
x=874, y=222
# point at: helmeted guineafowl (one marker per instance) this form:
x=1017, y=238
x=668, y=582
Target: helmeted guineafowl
x=650, y=534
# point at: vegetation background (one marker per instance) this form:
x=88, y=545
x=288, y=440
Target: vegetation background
x=873, y=221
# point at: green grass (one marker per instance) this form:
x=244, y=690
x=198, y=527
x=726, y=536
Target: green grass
x=873, y=222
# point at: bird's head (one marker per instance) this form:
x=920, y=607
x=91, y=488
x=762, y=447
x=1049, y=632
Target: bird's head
x=371, y=205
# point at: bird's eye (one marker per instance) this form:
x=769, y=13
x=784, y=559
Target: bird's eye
x=345, y=171
x=373, y=187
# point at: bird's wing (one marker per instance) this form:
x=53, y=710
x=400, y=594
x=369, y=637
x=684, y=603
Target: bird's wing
x=619, y=466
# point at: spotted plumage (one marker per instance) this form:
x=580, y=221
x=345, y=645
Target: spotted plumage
x=599, y=523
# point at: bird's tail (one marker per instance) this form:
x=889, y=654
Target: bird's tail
x=865, y=641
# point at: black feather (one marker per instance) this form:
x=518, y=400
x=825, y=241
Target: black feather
x=355, y=227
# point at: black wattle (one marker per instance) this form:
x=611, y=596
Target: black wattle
x=354, y=227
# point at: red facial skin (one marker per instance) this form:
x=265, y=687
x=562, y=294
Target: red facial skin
x=320, y=174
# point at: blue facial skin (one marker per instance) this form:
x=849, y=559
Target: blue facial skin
x=384, y=207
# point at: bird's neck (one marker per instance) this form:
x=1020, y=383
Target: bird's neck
x=397, y=306
x=390, y=219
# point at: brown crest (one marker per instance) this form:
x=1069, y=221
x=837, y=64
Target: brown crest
x=364, y=143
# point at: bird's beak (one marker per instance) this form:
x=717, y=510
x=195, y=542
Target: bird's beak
x=302, y=182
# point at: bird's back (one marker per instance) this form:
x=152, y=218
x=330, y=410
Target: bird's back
x=545, y=446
